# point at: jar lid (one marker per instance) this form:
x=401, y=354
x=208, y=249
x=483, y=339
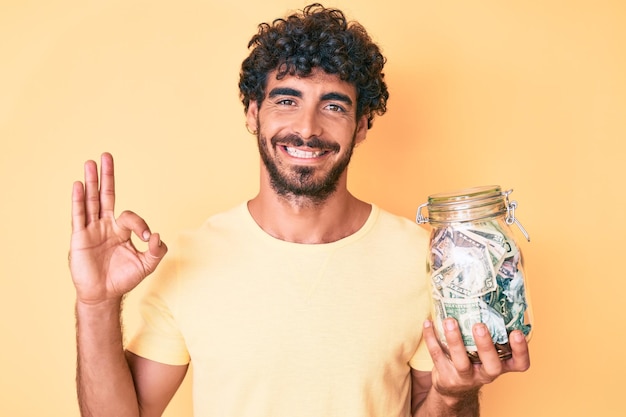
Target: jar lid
x=467, y=204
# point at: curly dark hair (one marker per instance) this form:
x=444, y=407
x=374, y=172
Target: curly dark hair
x=318, y=37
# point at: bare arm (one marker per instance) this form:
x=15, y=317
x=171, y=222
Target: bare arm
x=105, y=265
x=426, y=401
x=155, y=383
x=452, y=388
x=104, y=382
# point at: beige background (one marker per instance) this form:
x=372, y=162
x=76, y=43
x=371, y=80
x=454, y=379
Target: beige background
x=529, y=95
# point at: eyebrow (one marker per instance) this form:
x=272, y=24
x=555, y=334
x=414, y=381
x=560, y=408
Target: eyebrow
x=286, y=91
x=337, y=97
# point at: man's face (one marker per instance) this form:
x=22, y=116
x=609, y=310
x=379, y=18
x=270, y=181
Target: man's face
x=307, y=129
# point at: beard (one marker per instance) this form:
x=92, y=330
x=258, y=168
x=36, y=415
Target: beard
x=301, y=181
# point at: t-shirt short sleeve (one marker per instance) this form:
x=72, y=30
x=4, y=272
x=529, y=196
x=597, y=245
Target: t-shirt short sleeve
x=159, y=338
x=421, y=360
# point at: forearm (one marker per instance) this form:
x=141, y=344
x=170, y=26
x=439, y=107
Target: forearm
x=437, y=405
x=104, y=382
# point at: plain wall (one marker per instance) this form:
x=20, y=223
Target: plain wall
x=528, y=95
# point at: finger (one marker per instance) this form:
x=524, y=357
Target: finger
x=92, y=194
x=131, y=222
x=437, y=353
x=456, y=346
x=491, y=363
x=107, y=185
x=78, y=206
x=520, y=361
x=156, y=251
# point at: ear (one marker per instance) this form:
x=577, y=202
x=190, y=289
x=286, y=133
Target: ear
x=252, y=116
x=361, y=130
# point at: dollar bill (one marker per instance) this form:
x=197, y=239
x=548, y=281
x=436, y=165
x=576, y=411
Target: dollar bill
x=509, y=268
x=495, y=243
x=514, y=304
x=475, y=276
x=442, y=277
x=495, y=323
x=462, y=239
x=489, y=231
x=441, y=246
x=467, y=313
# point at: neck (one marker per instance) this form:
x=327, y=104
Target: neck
x=302, y=220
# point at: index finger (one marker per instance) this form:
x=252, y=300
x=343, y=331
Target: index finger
x=107, y=185
x=78, y=206
x=520, y=361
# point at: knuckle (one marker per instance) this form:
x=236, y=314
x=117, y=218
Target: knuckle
x=464, y=368
x=524, y=366
x=436, y=353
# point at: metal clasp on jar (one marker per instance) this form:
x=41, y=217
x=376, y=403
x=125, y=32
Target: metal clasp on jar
x=420, y=219
x=510, y=214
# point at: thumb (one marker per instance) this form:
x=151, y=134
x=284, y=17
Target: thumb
x=155, y=252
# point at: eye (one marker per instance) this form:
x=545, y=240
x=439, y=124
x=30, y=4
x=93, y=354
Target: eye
x=286, y=102
x=335, y=107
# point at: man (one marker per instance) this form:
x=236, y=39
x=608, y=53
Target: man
x=304, y=301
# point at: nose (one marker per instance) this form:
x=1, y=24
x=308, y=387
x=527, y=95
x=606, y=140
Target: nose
x=307, y=124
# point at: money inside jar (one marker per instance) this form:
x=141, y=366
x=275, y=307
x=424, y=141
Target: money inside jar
x=477, y=277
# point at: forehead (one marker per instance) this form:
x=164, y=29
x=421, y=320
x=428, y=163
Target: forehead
x=317, y=83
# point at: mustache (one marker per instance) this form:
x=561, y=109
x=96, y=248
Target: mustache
x=297, y=141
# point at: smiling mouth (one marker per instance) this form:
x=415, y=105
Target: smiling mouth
x=299, y=153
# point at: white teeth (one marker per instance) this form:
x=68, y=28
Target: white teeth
x=303, y=154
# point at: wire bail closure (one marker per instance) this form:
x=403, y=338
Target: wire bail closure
x=510, y=213
x=509, y=219
x=421, y=219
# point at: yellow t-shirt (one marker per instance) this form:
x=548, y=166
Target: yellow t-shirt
x=279, y=329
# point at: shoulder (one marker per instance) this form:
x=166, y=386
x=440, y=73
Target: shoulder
x=398, y=226
x=228, y=218
x=393, y=236
x=230, y=221
x=226, y=228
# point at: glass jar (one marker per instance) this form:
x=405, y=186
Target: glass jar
x=475, y=266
